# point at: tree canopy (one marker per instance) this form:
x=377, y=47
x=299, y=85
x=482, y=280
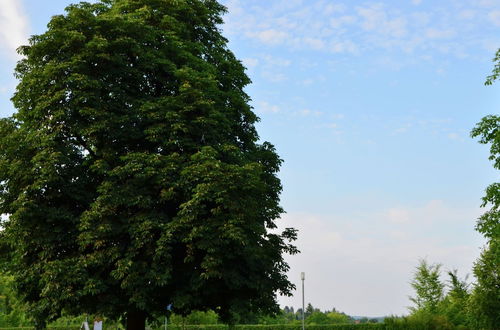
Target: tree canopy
x=132, y=173
x=429, y=290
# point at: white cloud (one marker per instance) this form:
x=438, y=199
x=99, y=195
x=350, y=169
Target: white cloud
x=333, y=8
x=271, y=61
x=433, y=33
x=354, y=29
x=421, y=18
x=288, y=4
x=467, y=14
x=345, y=46
x=398, y=215
x=308, y=112
x=270, y=36
x=455, y=136
x=402, y=129
x=305, y=112
x=494, y=17
x=234, y=7
x=249, y=62
x=314, y=43
x=375, y=18
x=490, y=45
x=341, y=21
x=307, y=82
x=333, y=128
x=274, y=76
x=488, y=3
x=362, y=262
x=265, y=107
x=13, y=27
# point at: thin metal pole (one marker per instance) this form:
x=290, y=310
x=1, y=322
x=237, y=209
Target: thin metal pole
x=165, y=323
x=303, y=277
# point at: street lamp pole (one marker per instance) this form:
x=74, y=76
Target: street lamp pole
x=303, y=277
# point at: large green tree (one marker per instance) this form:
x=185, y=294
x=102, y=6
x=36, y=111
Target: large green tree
x=132, y=173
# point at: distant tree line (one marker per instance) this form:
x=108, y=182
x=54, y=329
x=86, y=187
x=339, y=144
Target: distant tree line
x=312, y=315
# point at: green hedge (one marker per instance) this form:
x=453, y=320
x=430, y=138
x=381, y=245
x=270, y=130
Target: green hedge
x=394, y=324
x=74, y=327
x=400, y=324
x=371, y=326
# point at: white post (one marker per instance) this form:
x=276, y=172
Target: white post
x=303, y=277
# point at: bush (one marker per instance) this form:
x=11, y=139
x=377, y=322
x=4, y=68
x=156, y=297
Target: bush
x=421, y=322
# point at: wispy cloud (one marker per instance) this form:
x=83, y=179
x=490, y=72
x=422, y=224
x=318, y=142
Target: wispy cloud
x=309, y=112
x=354, y=29
x=250, y=62
x=494, y=17
x=403, y=129
x=266, y=107
x=455, y=137
x=375, y=18
x=389, y=243
x=270, y=36
x=398, y=215
x=274, y=77
x=13, y=27
x=439, y=34
x=342, y=21
x=467, y=14
x=271, y=61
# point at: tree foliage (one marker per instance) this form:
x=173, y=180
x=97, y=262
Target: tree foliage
x=438, y=304
x=455, y=305
x=195, y=317
x=131, y=171
x=313, y=316
x=485, y=300
x=429, y=290
x=496, y=69
x=11, y=309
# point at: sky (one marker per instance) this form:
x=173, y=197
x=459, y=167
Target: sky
x=370, y=105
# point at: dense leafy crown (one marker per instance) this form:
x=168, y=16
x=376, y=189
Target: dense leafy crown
x=131, y=171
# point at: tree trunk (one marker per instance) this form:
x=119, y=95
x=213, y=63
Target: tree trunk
x=136, y=320
x=40, y=323
x=40, y=326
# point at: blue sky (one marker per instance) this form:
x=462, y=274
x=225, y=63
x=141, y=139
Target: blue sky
x=370, y=104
